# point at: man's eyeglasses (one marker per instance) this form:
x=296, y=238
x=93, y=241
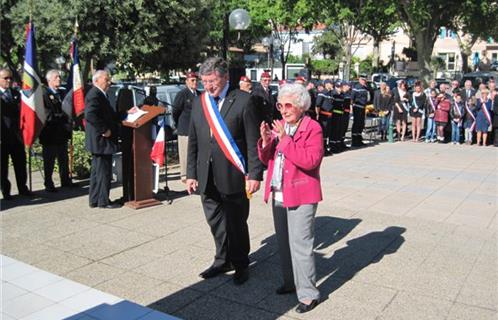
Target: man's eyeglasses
x=285, y=106
x=7, y=78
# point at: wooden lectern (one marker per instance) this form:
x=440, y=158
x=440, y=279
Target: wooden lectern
x=142, y=164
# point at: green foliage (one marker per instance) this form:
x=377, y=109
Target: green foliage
x=137, y=35
x=328, y=44
x=325, y=66
x=295, y=59
x=366, y=65
x=82, y=159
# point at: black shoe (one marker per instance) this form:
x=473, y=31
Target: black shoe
x=302, y=308
x=26, y=193
x=110, y=206
x=7, y=197
x=213, y=271
x=93, y=205
x=51, y=189
x=240, y=276
x=285, y=290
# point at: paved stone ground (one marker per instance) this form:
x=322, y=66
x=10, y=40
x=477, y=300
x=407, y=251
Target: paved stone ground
x=406, y=231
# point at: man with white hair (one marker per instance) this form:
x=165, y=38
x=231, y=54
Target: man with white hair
x=56, y=133
x=101, y=135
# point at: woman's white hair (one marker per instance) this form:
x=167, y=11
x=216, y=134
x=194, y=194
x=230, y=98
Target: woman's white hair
x=299, y=94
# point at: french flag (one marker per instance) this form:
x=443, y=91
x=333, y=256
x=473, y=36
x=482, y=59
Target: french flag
x=78, y=94
x=32, y=107
x=157, y=152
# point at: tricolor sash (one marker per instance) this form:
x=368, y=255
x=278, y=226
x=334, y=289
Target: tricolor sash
x=432, y=104
x=473, y=126
x=221, y=133
x=486, y=111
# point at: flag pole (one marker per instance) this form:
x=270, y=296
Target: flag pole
x=71, y=143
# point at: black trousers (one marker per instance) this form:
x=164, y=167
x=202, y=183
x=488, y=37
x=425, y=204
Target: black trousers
x=326, y=123
x=100, y=179
x=50, y=153
x=358, y=125
x=336, y=132
x=344, y=126
x=227, y=216
x=495, y=136
x=18, y=155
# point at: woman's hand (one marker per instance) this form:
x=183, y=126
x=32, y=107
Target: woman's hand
x=279, y=129
x=265, y=132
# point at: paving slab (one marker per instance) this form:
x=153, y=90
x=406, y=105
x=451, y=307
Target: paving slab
x=405, y=231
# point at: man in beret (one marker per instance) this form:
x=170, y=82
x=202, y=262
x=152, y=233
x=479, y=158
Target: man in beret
x=245, y=84
x=268, y=101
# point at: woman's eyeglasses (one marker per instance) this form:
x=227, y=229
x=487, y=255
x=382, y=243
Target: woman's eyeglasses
x=285, y=106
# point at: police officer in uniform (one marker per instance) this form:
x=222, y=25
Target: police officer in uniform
x=336, y=123
x=323, y=110
x=360, y=97
x=346, y=107
x=56, y=133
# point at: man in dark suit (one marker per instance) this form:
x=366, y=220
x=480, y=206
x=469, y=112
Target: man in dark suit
x=101, y=135
x=267, y=102
x=11, y=139
x=223, y=187
x=182, y=109
x=56, y=133
x=468, y=91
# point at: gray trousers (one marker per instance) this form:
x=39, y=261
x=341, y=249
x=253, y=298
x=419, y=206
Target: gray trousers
x=295, y=232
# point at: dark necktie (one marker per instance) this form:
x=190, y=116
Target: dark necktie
x=8, y=95
x=217, y=101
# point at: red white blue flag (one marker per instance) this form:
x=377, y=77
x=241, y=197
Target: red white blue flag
x=78, y=93
x=32, y=108
x=222, y=134
x=157, y=152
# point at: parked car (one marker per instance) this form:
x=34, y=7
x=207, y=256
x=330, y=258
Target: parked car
x=380, y=77
x=166, y=95
x=478, y=77
x=137, y=91
x=494, y=66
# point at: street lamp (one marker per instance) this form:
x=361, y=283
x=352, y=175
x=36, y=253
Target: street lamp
x=239, y=20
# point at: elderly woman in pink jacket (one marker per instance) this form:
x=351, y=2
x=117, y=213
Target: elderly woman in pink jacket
x=293, y=152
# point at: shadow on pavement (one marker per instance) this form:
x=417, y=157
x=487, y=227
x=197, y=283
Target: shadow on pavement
x=219, y=298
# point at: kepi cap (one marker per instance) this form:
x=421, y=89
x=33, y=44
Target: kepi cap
x=265, y=75
x=191, y=75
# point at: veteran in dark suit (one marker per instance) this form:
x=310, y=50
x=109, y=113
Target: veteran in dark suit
x=56, y=133
x=267, y=102
x=223, y=187
x=101, y=141
x=11, y=139
x=182, y=109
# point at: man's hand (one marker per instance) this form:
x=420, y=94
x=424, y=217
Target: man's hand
x=192, y=185
x=106, y=134
x=252, y=186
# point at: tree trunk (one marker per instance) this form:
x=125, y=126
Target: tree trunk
x=347, y=64
x=376, y=55
x=424, y=45
x=465, y=61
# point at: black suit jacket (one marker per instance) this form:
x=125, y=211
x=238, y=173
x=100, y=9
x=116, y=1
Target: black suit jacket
x=464, y=94
x=100, y=117
x=239, y=115
x=11, y=113
x=57, y=129
x=266, y=104
x=182, y=109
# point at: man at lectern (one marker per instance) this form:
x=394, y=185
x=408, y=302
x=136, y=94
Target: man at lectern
x=101, y=140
